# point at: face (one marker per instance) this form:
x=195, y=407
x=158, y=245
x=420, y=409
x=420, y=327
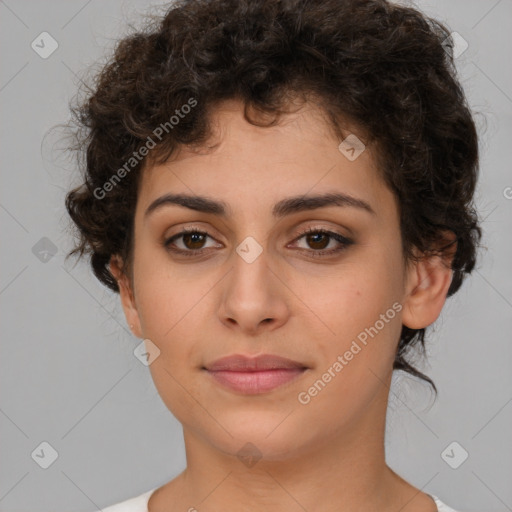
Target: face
x=250, y=282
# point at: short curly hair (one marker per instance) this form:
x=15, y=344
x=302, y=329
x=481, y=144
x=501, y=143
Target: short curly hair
x=387, y=68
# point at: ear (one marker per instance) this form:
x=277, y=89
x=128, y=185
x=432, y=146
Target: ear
x=427, y=284
x=127, y=295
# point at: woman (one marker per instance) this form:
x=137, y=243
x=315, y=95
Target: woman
x=282, y=194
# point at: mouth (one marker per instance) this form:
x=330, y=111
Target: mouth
x=254, y=375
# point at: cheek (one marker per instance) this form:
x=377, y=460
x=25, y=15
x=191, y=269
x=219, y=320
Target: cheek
x=360, y=306
x=356, y=297
x=170, y=311
x=353, y=363
x=167, y=297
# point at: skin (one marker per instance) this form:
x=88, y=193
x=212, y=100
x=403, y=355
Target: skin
x=325, y=455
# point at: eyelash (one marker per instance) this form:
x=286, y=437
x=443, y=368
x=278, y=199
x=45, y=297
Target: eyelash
x=345, y=242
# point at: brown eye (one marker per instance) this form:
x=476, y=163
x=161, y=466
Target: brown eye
x=192, y=242
x=318, y=240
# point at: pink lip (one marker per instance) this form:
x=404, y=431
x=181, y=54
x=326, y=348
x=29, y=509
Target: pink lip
x=254, y=375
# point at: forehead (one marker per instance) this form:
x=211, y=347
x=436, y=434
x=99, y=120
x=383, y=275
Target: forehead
x=249, y=166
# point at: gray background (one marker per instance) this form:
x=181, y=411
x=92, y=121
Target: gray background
x=68, y=373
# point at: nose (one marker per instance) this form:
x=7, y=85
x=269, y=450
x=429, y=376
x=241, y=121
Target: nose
x=254, y=298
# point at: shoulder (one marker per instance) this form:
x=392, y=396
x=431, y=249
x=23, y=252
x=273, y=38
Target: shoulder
x=137, y=504
x=442, y=507
x=140, y=504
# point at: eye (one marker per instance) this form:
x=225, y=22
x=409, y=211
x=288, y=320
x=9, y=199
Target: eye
x=192, y=240
x=318, y=239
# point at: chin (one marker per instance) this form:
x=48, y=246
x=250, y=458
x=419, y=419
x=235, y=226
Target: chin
x=256, y=437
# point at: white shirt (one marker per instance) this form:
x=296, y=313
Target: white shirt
x=140, y=504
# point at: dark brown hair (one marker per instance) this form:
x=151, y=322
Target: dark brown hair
x=387, y=68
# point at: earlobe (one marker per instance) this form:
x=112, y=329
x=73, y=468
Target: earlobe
x=126, y=295
x=428, y=281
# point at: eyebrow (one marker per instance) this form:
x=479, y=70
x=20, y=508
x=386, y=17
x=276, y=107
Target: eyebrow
x=281, y=208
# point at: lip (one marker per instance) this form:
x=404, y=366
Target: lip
x=254, y=375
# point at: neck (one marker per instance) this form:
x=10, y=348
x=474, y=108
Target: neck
x=344, y=471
